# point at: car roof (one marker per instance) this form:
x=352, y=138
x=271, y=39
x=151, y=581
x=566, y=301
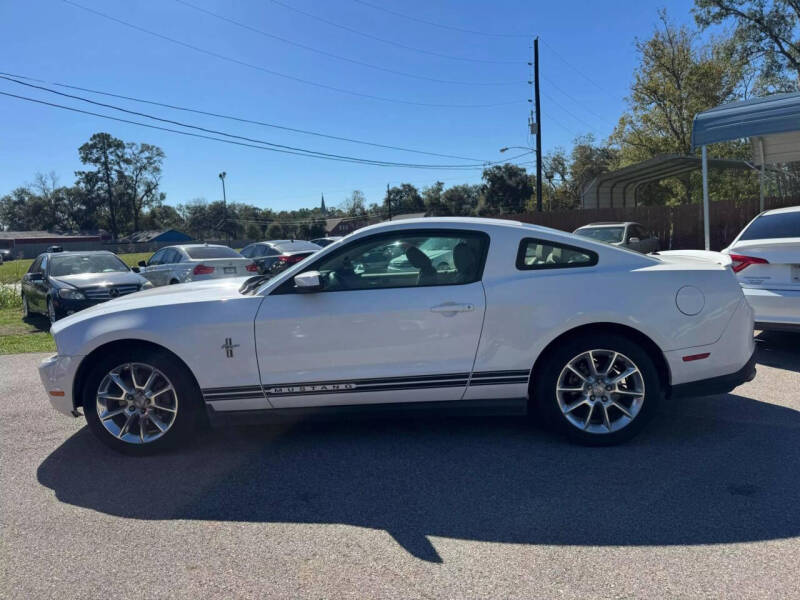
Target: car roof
x=608, y=224
x=185, y=246
x=79, y=253
x=778, y=211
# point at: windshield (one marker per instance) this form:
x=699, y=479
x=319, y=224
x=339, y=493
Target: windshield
x=780, y=225
x=87, y=263
x=609, y=235
x=212, y=252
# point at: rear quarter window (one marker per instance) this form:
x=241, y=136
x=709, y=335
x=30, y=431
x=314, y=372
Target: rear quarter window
x=535, y=254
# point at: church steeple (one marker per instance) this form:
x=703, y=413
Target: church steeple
x=322, y=205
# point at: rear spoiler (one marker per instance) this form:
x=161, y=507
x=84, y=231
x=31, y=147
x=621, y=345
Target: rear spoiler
x=701, y=255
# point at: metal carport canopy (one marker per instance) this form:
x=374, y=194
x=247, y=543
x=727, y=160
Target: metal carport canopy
x=772, y=123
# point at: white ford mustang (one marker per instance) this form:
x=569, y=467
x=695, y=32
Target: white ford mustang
x=590, y=336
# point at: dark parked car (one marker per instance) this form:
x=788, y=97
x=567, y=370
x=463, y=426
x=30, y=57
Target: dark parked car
x=626, y=234
x=61, y=283
x=276, y=255
x=5, y=255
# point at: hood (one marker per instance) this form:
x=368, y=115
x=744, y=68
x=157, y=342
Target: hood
x=83, y=280
x=181, y=293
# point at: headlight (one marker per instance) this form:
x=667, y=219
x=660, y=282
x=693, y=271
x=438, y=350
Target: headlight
x=71, y=294
x=146, y=285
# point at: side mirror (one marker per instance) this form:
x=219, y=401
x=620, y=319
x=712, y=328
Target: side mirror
x=36, y=277
x=135, y=269
x=141, y=263
x=633, y=240
x=310, y=281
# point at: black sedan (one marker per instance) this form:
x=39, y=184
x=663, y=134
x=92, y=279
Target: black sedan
x=274, y=256
x=61, y=283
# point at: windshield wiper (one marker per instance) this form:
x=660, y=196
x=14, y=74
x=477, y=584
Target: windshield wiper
x=252, y=283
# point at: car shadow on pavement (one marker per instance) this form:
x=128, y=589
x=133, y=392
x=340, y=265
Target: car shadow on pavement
x=711, y=470
x=779, y=349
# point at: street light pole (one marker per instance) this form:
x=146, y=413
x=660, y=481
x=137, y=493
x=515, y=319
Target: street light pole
x=224, y=204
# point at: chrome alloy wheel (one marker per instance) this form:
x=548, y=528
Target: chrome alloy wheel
x=600, y=391
x=136, y=403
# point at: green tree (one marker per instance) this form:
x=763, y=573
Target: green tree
x=508, y=188
x=404, y=198
x=768, y=31
x=275, y=231
x=140, y=173
x=434, y=203
x=106, y=153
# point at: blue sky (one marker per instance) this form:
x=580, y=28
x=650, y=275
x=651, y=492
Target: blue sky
x=587, y=58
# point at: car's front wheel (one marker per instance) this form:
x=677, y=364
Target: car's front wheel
x=141, y=402
x=26, y=311
x=52, y=314
x=598, y=389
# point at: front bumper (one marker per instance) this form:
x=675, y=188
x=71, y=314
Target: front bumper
x=717, y=385
x=58, y=374
x=774, y=309
x=65, y=307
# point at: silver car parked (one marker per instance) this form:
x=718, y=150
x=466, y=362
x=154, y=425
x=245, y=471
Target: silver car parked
x=627, y=234
x=195, y=262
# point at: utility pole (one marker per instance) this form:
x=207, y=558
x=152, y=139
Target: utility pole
x=388, y=202
x=538, y=125
x=224, y=205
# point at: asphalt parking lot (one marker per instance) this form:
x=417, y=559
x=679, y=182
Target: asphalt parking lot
x=703, y=504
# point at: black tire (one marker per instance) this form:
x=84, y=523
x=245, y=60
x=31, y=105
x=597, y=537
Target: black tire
x=52, y=313
x=173, y=281
x=26, y=310
x=545, y=382
x=189, y=400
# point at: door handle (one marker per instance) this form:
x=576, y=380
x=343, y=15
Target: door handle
x=452, y=307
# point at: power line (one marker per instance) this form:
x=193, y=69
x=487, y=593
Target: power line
x=240, y=119
x=576, y=101
x=261, y=145
x=392, y=42
x=276, y=73
x=339, y=57
x=230, y=135
x=574, y=68
x=440, y=25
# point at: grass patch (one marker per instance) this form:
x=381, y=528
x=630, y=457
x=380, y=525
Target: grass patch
x=17, y=335
x=12, y=271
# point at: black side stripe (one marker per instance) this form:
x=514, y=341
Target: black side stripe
x=416, y=382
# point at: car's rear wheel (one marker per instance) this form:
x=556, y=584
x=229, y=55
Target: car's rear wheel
x=141, y=402
x=598, y=389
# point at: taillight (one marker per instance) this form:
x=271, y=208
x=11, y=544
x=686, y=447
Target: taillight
x=203, y=270
x=291, y=259
x=741, y=262
x=252, y=268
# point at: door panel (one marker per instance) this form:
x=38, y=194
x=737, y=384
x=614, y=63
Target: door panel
x=371, y=333
x=368, y=346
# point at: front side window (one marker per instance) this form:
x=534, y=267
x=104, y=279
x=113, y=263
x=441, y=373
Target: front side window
x=405, y=259
x=542, y=254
